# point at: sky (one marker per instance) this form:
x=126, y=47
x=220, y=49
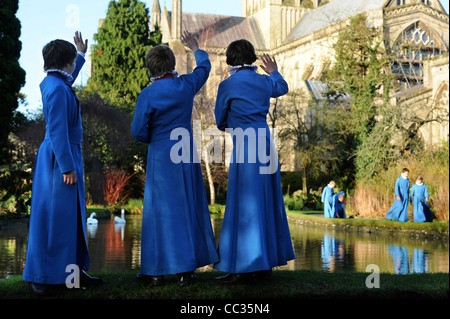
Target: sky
x=46, y=20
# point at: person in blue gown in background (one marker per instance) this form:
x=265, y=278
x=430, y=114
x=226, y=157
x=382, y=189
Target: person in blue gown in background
x=255, y=235
x=327, y=199
x=57, y=231
x=177, y=235
x=399, y=210
x=338, y=209
x=419, y=199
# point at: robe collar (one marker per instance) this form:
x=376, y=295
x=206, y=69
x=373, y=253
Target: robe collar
x=60, y=74
x=238, y=68
x=164, y=76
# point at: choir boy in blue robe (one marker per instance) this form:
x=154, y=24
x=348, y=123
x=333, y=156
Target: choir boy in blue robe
x=327, y=200
x=255, y=235
x=399, y=210
x=57, y=231
x=177, y=235
x=420, y=198
x=338, y=208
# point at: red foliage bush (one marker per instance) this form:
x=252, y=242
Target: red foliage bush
x=115, y=189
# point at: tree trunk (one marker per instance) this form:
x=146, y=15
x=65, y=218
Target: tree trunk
x=205, y=156
x=209, y=175
x=304, y=188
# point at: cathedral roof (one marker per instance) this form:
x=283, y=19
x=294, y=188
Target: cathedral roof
x=219, y=31
x=331, y=13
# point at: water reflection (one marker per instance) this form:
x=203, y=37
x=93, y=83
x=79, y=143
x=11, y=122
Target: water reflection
x=332, y=252
x=418, y=262
x=117, y=247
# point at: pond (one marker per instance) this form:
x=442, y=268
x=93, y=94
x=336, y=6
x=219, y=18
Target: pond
x=117, y=247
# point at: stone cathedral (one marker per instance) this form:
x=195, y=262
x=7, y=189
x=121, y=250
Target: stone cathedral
x=300, y=34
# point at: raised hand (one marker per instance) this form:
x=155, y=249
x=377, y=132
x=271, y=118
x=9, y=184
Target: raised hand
x=190, y=41
x=269, y=64
x=78, y=39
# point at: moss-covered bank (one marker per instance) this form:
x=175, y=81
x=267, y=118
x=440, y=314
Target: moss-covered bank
x=432, y=230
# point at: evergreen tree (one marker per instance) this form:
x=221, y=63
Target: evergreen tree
x=118, y=59
x=12, y=76
x=361, y=70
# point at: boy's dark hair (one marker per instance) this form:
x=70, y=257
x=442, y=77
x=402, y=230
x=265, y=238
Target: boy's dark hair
x=58, y=54
x=240, y=52
x=160, y=60
x=419, y=178
x=405, y=170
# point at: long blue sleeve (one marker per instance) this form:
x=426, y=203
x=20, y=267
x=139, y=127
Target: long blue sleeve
x=58, y=128
x=200, y=74
x=279, y=85
x=427, y=195
x=142, y=115
x=222, y=107
x=323, y=194
x=397, y=188
x=413, y=190
x=79, y=64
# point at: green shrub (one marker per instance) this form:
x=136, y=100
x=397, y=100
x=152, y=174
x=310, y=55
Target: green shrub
x=289, y=202
x=135, y=205
x=298, y=204
x=217, y=209
x=15, y=186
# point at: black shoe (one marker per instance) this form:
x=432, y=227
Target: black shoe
x=151, y=280
x=86, y=280
x=187, y=278
x=237, y=278
x=263, y=275
x=42, y=289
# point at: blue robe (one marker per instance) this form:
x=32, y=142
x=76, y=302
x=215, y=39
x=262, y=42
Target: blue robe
x=255, y=233
x=399, y=210
x=421, y=210
x=327, y=199
x=177, y=235
x=57, y=232
x=338, y=209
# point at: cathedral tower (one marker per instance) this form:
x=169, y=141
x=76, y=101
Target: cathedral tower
x=276, y=18
x=156, y=14
x=176, y=20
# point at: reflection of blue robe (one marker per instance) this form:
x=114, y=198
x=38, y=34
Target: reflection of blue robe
x=255, y=233
x=57, y=209
x=419, y=263
x=422, y=212
x=332, y=252
x=338, y=209
x=399, y=255
x=177, y=234
x=327, y=199
x=399, y=210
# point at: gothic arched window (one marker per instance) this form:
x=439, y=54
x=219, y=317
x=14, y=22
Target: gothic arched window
x=416, y=43
x=442, y=112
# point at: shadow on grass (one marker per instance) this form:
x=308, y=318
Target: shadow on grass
x=283, y=285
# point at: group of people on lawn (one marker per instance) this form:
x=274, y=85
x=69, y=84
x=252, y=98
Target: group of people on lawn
x=334, y=203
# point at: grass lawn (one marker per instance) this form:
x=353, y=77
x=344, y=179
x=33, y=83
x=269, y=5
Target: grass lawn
x=283, y=285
